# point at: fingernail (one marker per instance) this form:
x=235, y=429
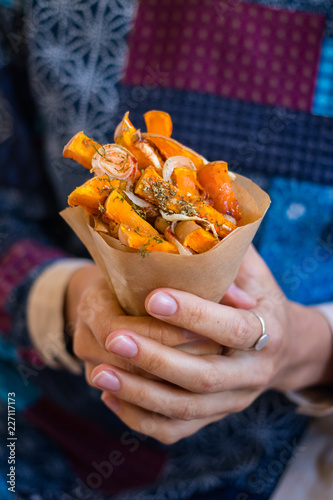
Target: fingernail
x=123, y=346
x=110, y=401
x=189, y=335
x=107, y=380
x=162, y=304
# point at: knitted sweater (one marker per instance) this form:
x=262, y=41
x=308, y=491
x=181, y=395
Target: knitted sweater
x=246, y=82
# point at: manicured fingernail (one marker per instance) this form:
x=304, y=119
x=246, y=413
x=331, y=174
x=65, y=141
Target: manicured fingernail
x=107, y=380
x=162, y=304
x=123, y=346
x=110, y=401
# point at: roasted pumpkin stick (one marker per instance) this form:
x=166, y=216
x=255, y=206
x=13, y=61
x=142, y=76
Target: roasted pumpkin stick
x=158, y=122
x=170, y=147
x=93, y=193
x=186, y=182
x=128, y=136
x=153, y=188
x=194, y=236
x=120, y=211
x=215, y=180
x=173, y=178
x=132, y=238
x=81, y=149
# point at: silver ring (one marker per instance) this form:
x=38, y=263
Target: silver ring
x=264, y=337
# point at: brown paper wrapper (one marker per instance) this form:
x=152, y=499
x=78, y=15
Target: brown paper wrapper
x=207, y=275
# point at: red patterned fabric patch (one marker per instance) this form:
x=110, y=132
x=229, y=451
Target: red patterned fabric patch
x=16, y=264
x=232, y=49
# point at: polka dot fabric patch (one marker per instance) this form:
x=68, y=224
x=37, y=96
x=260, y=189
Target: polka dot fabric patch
x=233, y=49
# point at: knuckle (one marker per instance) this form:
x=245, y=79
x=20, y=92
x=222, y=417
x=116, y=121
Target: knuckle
x=240, y=331
x=186, y=410
x=153, y=363
x=210, y=380
x=197, y=314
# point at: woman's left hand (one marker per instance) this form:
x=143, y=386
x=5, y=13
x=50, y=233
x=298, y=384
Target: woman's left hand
x=197, y=390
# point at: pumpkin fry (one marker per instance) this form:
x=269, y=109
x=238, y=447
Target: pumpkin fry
x=186, y=182
x=158, y=122
x=120, y=211
x=81, y=149
x=124, y=131
x=93, y=193
x=194, y=236
x=153, y=188
x=128, y=136
x=170, y=147
x=215, y=180
x=133, y=239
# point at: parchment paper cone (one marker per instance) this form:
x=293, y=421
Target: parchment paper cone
x=207, y=275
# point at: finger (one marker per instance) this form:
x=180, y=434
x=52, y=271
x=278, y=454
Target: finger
x=167, y=399
x=201, y=374
x=236, y=297
x=159, y=427
x=102, y=313
x=86, y=348
x=225, y=325
x=201, y=347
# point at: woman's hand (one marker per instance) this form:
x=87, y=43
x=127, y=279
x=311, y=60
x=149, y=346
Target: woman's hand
x=93, y=313
x=197, y=390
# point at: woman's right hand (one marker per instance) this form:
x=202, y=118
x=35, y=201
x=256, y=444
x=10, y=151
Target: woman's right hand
x=93, y=312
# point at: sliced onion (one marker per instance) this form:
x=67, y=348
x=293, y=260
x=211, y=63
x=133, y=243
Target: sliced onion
x=232, y=176
x=175, y=162
x=139, y=201
x=122, y=236
x=115, y=161
x=172, y=239
x=178, y=217
x=230, y=217
x=173, y=226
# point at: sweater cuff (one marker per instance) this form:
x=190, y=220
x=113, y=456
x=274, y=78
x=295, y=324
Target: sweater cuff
x=45, y=314
x=316, y=401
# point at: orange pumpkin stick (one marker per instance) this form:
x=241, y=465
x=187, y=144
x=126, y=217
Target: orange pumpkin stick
x=214, y=178
x=133, y=239
x=186, y=182
x=93, y=193
x=169, y=147
x=81, y=149
x=121, y=212
x=128, y=136
x=158, y=122
x=194, y=236
x=153, y=188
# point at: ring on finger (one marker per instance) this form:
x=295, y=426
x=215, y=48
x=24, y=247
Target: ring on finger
x=262, y=341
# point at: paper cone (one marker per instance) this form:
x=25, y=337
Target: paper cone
x=207, y=275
